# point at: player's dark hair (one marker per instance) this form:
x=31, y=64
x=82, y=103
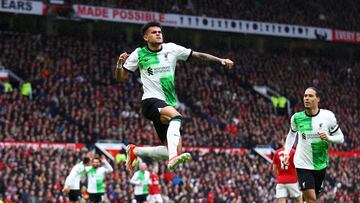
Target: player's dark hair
x=86, y=160
x=317, y=92
x=149, y=24
x=97, y=158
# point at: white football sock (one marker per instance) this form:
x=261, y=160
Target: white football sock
x=173, y=137
x=156, y=153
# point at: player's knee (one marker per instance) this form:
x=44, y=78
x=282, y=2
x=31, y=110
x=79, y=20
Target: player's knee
x=165, y=119
x=169, y=111
x=309, y=195
x=177, y=118
x=310, y=199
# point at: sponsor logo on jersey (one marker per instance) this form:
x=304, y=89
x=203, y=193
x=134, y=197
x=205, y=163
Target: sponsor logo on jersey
x=163, y=69
x=309, y=135
x=150, y=71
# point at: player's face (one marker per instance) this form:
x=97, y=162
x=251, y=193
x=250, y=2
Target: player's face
x=96, y=163
x=310, y=99
x=153, y=35
x=142, y=166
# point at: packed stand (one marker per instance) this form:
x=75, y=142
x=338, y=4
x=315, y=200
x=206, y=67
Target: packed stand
x=331, y=14
x=210, y=177
x=75, y=98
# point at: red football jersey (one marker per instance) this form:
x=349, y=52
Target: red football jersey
x=286, y=174
x=154, y=185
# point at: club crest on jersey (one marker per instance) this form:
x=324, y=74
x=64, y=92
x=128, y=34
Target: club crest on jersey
x=166, y=56
x=320, y=125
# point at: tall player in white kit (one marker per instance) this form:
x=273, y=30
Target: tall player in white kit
x=156, y=62
x=316, y=129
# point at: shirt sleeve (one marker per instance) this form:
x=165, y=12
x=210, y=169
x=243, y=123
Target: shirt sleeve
x=293, y=127
x=181, y=52
x=132, y=62
x=333, y=124
x=336, y=135
x=69, y=181
x=290, y=138
x=108, y=168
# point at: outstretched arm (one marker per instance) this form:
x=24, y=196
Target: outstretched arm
x=227, y=63
x=107, y=166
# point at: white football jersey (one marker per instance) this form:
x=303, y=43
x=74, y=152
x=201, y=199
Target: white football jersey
x=157, y=70
x=312, y=152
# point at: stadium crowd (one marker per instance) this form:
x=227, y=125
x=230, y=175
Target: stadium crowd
x=331, y=14
x=76, y=99
x=210, y=177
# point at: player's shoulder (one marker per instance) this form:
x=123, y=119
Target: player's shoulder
x=136, y=51
x=326, y=112
x=79, y=165
x=170, y=45
x=298, y=114
x=141, y=49
x=136, y=173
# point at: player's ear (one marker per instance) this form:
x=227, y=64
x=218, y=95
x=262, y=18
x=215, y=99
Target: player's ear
x=145, y=38
x=318, y=99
